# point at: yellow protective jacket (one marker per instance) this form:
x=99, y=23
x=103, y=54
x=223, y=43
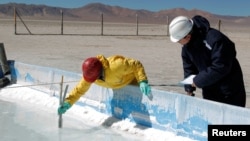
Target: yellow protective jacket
x=118, y=71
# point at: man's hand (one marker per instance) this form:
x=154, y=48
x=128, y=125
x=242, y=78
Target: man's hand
x=145, y=88
x=63, y=108
x=190, y=94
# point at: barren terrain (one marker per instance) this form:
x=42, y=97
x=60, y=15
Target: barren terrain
x=161, y=58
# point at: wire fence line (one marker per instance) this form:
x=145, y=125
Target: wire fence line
x=100, y=28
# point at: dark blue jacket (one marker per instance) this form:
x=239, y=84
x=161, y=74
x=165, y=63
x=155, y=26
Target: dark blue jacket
x=212, y=57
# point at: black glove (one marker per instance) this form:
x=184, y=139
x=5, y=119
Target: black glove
x=190, y=89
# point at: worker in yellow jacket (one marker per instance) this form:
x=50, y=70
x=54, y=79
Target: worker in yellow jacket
x=113, y=72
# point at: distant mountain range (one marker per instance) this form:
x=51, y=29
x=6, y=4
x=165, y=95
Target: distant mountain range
x=92, y=12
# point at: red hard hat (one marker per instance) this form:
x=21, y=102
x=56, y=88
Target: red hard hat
x=91, y=69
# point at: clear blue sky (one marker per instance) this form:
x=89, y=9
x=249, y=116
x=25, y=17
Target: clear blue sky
x=220, y=7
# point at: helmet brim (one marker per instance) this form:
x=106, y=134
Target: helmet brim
x=90, y=79
x=174, y=39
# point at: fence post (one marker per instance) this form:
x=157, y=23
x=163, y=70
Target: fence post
x=167, y=26
x=62, y=23
x=101, y=23
x=219, y=24
x=137, y=30
x=15, y=19
x=16, y=13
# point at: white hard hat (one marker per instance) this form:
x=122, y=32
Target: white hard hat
x=179, y=28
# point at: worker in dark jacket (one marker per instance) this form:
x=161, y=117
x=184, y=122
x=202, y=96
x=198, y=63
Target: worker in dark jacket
x=211, y=56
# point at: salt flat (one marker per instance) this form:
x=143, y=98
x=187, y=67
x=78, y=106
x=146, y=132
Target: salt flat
x=161, y=57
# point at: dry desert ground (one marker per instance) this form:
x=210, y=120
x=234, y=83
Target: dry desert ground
x=161, y=58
